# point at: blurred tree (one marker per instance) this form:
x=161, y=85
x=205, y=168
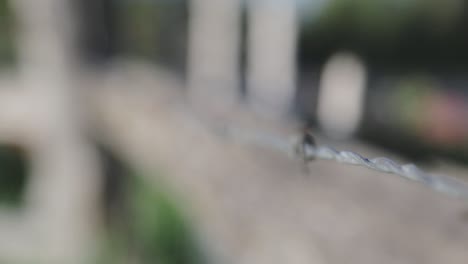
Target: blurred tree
x=98, y=26
x=389, y=34
x=146, y=223
x=161, y=231
x=13, y=175
x=151, y=30
x=154, y=30
x=7, y=42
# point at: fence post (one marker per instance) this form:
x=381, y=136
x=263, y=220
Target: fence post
x=56, y=225
x=213, y=53
x=272, y=38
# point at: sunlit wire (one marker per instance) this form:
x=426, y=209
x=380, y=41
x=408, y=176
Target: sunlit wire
x=295, y=147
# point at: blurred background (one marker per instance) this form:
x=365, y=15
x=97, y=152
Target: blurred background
x=107, y=152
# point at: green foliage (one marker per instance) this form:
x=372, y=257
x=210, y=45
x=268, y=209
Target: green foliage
x=140, y=26
x=13, y=174
x=388, y=18
x=155, y=229
x=368, y=17
x=161, y=231
x=7, y=43
x=154, y=30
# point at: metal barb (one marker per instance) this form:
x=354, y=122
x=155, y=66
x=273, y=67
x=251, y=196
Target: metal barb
x=304, y=147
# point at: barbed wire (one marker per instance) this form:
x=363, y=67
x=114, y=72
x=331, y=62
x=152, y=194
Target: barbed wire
x=300, y=146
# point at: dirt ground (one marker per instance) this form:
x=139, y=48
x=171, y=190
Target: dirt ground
x=254, y=205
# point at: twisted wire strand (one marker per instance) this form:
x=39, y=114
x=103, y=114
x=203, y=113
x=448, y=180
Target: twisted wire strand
x=295, y=147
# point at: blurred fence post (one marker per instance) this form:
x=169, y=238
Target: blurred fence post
x=272, y=38
x=213, y=55
x=56, y=224
x=341, y=96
